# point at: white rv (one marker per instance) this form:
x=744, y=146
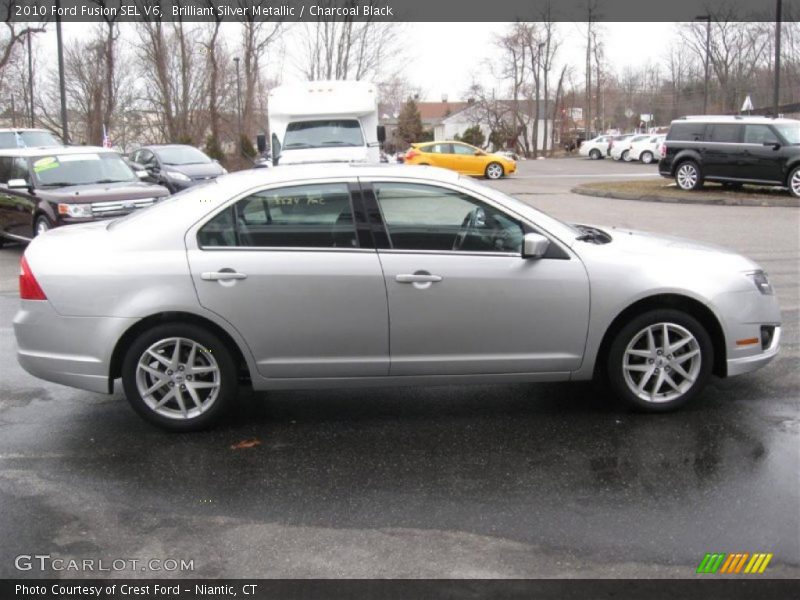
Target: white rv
x=325, y=121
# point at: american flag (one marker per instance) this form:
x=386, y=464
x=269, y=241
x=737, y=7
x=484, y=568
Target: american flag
x=106, y=139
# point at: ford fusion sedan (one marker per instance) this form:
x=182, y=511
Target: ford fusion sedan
x=330, y=276
x=42, y=188
x=461, y=157
x=176, y=166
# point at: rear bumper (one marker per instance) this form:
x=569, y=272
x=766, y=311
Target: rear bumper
x=73, y=351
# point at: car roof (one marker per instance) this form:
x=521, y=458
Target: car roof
x=20, y=129
x=154, y=146
x=303, y=172
x=49, y=150
x=735, y=119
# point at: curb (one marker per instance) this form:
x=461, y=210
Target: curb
x=781, y=202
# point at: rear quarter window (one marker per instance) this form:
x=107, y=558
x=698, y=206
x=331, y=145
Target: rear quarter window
x=686, y=132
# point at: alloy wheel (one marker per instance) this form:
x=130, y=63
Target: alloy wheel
x=494, y=171
x=687, y=176
x=662, y=362
x=795, y=183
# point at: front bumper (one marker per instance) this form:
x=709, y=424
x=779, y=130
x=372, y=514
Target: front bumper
x=747, y=364
x=73, y=351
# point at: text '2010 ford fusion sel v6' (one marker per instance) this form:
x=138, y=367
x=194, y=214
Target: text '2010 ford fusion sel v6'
x=326, y=276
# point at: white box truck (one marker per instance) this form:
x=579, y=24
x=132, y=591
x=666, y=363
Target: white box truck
x=325, y=121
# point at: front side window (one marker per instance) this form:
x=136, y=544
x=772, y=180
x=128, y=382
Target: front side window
x=424, y=217
x=759, y=134
x=463, y=150
x=330, y=133
x=689, y=131
x=309, y=216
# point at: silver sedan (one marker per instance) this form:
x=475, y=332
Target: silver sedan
x=333, y=275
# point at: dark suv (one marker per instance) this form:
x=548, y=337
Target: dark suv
x=733, y=151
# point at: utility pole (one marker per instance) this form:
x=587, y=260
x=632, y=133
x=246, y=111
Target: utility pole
x=30, y=79
x=239, y=105
x=776, y=91
x=61, y=82
x=707, y=19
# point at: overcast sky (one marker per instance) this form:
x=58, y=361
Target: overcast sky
x=443, y=58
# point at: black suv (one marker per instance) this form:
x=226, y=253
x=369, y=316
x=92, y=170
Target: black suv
x=733, y=151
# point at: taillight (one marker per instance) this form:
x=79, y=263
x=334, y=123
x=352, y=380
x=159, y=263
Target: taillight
x=29, y=288
x=411, y=154
x=662, y=150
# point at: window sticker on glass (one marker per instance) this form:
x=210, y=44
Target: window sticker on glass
x=44, y=164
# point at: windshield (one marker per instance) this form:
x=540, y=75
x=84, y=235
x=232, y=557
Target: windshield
x=27, y=139
x=181, y=155
x=323, y=134
x=59, y=170
x=789, y=131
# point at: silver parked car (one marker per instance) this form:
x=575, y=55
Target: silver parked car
x=335, y=275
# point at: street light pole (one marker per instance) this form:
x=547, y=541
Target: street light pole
x=61, y=82
x=30, y=78
x=776, y=91
x=707, y=19
x=239, y=105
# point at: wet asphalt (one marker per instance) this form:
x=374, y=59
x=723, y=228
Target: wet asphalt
x=542, y=480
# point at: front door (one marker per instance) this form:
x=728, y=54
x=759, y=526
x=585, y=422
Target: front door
x=462, y=300
x=287, y=268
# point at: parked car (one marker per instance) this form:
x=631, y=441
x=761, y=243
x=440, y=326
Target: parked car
x=595, y=148
x=648, y=149
x=733, y=151
x=340, y=275
x=620, y=149
x=461, y=157
x=27, y=138
x=616, y=139
x=176, y=166
x=42, y=188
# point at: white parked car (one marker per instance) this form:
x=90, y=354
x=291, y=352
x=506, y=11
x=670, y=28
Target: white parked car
x=620, y=149
x=647, y=150
x=596, y=148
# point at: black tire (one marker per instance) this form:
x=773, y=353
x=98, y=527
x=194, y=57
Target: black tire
x=41, y=225
x=646, y=157
x=494, y=170
x=213, y=347
x=688, y=175
x=679, y=323
x=793, y=182
x=625, y=155
x=594, y=154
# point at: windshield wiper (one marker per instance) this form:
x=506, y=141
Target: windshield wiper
x=113, y=181
x=337, y=143
x=61, y=184
x=592, y=235
x=298, y=145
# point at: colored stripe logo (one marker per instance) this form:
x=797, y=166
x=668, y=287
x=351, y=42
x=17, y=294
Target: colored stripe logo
x=734, y=563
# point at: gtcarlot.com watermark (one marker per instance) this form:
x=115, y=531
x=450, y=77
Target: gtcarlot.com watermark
x=48, y=563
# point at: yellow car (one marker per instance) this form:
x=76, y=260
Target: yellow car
x=461, y=157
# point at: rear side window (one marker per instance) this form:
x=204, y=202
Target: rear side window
x=689, y=131
x=759, y=134
x=310, y=216
x=729, y=133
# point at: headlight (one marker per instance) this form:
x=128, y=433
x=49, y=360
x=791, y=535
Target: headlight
x=75, y=210
x=177, y=176
x=224, y=171
x=761, y=282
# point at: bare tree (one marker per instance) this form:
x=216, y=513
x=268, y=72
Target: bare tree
x=14, y=33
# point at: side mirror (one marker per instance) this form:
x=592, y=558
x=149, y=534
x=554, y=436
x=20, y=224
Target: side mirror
x=261, y=143
x=17, y=184
x=534, y=245
x=381, y=133
x=480, y=153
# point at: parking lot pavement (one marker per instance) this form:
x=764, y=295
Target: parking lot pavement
x=488, y=481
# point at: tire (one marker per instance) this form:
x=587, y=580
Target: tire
x=793, y=182
x=626, y=155
x=688, y=176
x=187, y=408
x=494, y=170
x=640, y=368
x=594, y=154
x=41, y=225
x=646, y=157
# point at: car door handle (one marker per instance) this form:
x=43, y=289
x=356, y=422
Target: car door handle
x=223, y=275
x=417, y=278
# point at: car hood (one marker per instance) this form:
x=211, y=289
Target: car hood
x=133, y=190
x=197, y=171
x=641, y=246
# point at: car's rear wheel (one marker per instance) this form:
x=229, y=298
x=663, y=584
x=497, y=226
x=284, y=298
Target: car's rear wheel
x=179, y=376
x=42, y=225
x=647, y=157
x=594, y=154
x=494, y=170
x=794, y=182
x=626, y=155
x=688, y=176
x=660, y=360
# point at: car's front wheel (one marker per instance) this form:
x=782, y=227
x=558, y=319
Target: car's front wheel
x=646, y=157
x=688, y=176
x=494, y=170
x=794, y=182
x=179, y=376
x=594, y=154
x=626, y=155
x=660, y=360
x=42, y=225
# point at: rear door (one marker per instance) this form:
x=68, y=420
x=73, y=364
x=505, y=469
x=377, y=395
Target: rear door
x=297, y=275
x=722, y=151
